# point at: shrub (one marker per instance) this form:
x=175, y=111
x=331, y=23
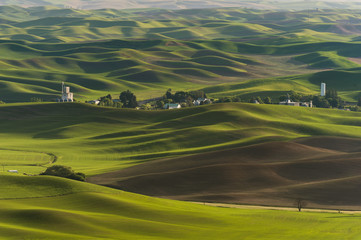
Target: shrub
x=65, y=172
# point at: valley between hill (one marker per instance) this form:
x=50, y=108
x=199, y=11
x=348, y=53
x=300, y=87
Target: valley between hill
x=230, y=152
x=258, y=154
x=236, y=52
x=239, y=161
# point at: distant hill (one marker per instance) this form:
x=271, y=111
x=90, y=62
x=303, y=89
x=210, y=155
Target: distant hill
x=184, y=4
x=225, y=51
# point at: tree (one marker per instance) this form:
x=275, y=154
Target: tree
x=197, y=94
x=359, y=102
x=236, y=99
x=252, y=100
x=168, y=94
x=320, y=102
x=259, y=99
x=224, y=100
x=65, y=172
x=105, y=97
x=189, y=101
x=283, y=98
x=180, y=96
x=267, y=100
x=128, y=99
x=36, y=99
x=106, y=102
x=159, y=104
x=117, y=104
x=331, y=93
x=300, y=203
x=146, y=106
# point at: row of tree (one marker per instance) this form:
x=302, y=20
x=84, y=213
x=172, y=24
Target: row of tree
x=127, y=99
x=185, y=99
x=330, y=100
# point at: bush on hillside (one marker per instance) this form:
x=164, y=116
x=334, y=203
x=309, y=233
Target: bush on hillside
x=36, y=99
x=65, y=172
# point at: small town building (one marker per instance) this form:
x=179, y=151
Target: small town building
x=288, y=102
x=172, y=106
x=201, y=101
x=66, y=95
x=95, y=102
x=306, y=104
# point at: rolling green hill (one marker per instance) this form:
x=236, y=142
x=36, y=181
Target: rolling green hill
x=98, y=140
x=74, y=210
x=149, y=68
x=346, y=81
x=148, y=51
x=51, y=24
x=235, y=152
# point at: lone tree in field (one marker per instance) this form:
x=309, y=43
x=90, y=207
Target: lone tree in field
x=300, y=203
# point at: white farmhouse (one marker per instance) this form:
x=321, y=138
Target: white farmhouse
x=171, y=106
x=201, y=101
x=95, y=102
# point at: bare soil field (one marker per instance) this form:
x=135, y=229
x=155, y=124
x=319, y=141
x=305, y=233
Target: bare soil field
x=323, y=171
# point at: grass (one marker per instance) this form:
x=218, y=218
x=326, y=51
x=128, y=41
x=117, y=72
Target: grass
x=84, y=211
x=178, y=49
x=223, y=51
x=96, y=140
x=326, y=60
x=345, y=81
x=149, y=68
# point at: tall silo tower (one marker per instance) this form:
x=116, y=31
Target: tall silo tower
x=323, y=89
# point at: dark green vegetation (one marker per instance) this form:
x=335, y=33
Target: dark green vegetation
x=64, y=171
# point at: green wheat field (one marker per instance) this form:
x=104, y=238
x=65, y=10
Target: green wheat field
x=134, y=155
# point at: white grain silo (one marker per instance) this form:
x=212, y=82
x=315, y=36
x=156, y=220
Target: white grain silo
x=323, y=89
x=66, y=95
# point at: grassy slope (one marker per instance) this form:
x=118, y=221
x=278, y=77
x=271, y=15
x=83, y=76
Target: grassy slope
x=325, y=171
x=146, y=67
x=345, y=81
x=276, y=44
x=90, y=212
x=95, y=140
x=151, y=67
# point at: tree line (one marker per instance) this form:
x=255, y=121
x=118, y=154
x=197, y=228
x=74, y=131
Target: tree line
x=126, y=99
